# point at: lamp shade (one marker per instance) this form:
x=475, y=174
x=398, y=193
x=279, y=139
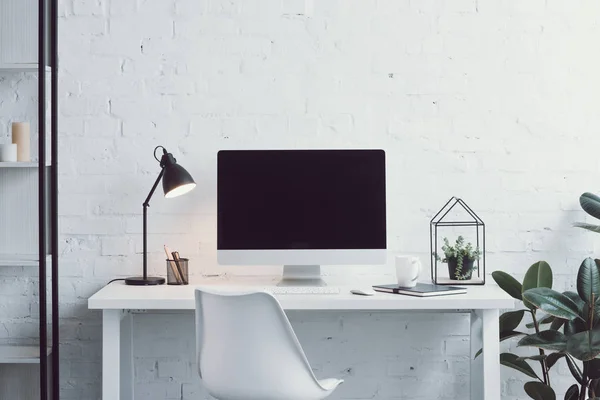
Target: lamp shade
x=176, y=180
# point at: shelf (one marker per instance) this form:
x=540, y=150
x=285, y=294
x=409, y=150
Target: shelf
x=32, y=67
x=20, y=164
x=10, y=354
x=21, y=260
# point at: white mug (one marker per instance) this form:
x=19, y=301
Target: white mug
x=8, y=152
x=408, y=269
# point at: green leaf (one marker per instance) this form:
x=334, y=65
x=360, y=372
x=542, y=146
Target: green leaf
x=510, y=334
x=573, y=327
x=576, y=299
x=538, y=357
x=572, y=393
x=510, y=320
x=588, y=281
x=569, y=328
x=538, y=275
x=585, y=345
x=596, y=308
x=552, y=302
x=539, y=391
x=503, y=336
x=575, y=371
x=595, y=386
x=590, y=204
x=509, y=284
x=552, y=358
x=593, y=368
x=549, y=340
x=589, y=227
x=511, y=360
x=595, y=317
x=545, y=320
x=556, y=324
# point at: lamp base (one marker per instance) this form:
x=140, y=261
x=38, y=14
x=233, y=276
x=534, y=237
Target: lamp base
x=141, y=281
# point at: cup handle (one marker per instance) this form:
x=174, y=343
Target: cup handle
x=415, y=261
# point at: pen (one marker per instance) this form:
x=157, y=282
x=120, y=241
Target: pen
x=174, y=267
x=177, y=259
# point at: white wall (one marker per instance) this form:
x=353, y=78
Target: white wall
x=490, y=100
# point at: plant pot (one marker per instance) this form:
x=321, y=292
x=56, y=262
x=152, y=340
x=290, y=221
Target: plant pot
x=466, y=271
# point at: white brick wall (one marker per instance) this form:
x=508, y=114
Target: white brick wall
x=491, y=100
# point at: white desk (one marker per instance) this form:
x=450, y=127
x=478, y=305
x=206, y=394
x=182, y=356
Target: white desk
x=118, y=302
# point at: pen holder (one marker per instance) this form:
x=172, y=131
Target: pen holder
x=174, y=274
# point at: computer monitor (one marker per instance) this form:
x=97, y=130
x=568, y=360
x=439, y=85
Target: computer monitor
x=301, y=209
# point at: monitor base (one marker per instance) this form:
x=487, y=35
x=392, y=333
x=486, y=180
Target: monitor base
x=301, y=275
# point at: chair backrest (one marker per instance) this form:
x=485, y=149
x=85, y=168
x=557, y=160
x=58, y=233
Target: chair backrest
x=246, y=348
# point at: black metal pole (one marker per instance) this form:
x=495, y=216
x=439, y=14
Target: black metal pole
x=145, y=229
x=433, y=251
x=54, y=199
x=156, y=182
x=42, y=199
x=145, y=241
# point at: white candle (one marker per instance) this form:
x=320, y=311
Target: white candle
x=8, y=153
x=20, y=137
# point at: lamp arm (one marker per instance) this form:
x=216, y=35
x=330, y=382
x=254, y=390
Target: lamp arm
x=145, y=230
x=147, y=202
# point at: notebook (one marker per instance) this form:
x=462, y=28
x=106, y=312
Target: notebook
x=421, y=290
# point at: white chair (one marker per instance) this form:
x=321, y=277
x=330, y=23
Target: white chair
x=247, y=350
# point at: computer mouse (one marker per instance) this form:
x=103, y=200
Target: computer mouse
x=363, y=292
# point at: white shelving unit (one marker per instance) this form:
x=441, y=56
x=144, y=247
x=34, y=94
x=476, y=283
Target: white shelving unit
x=10, y=354
x=22, y=260
x=19, y=34
x=20, y=370
x=28, y=201
x=20, y=164
x=19, y=230
x=16, y=67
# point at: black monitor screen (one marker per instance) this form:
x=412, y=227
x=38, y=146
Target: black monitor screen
x=301, y=199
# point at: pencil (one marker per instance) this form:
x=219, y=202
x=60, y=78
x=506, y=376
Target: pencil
x=177, y=259
x=173, y=267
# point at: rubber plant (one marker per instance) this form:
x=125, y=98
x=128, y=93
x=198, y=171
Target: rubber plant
x=591, y=205
x=563, y=326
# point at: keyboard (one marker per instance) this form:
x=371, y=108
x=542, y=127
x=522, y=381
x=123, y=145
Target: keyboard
x=302, y=290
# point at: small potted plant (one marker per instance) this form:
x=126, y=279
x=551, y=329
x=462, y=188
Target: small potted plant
x=460, y=258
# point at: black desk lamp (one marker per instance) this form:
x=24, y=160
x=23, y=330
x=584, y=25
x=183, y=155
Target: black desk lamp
x=176, y=181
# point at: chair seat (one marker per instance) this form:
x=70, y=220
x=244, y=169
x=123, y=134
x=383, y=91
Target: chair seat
x=327, y=387
x=330, y=384
x=247, y=350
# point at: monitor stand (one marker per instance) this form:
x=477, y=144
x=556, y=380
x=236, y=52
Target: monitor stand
x=301, y=275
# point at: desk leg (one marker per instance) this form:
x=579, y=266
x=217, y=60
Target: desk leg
x=127, y=357
x=111, y=354
x=485, y=370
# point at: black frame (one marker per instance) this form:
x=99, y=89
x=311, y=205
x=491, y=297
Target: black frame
x=48, y=197
x=438, y=221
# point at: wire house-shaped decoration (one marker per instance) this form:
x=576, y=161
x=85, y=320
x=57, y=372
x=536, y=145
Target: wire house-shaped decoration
x=456, y=219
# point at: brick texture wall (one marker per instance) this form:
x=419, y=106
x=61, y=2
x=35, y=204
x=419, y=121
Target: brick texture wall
x=490, y=100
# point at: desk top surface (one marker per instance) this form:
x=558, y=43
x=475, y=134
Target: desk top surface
x=118, y=296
